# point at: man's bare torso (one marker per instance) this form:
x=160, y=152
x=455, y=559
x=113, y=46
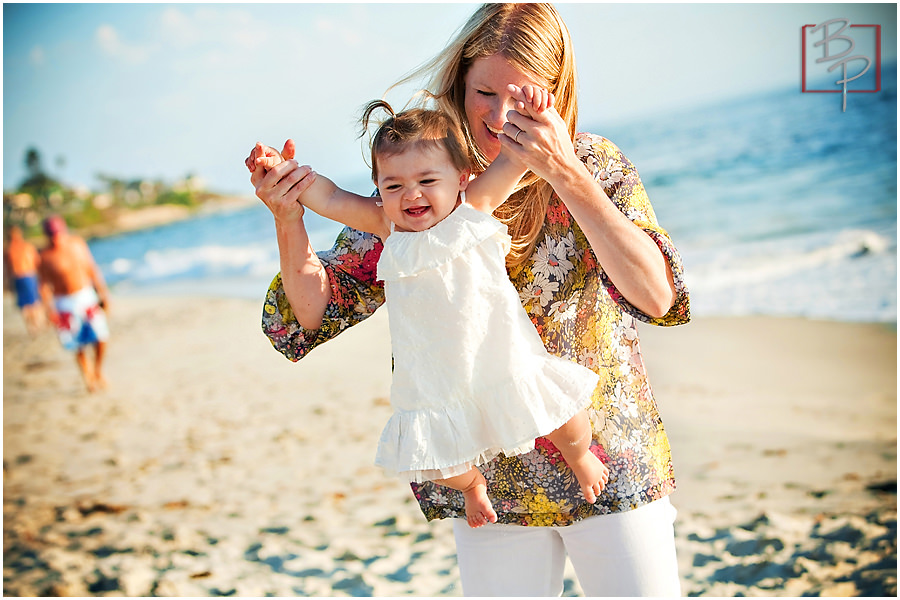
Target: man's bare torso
x=21, y=258
x=66, y=266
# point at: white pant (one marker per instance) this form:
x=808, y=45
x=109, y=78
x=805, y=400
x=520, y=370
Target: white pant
x=623, y=554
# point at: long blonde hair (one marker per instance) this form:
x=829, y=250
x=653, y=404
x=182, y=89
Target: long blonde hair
x=535, y=40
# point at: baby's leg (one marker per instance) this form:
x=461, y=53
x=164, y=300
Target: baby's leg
x=474, y=488
x=574, y=441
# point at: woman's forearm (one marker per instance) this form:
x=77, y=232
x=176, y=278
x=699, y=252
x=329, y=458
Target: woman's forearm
x=630, y=257
x=304, y=278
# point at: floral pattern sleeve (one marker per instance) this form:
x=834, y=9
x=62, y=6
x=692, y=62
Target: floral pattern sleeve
x=621, y=182
x=355, y=295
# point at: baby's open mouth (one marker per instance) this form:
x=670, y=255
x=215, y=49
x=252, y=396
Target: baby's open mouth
x=417, y=211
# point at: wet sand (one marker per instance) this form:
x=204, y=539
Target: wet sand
x=213, y=466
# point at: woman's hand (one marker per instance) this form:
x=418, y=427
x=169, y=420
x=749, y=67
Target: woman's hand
x=537, y=136
x=279, y=181
x=281, y=188
x=632, y=260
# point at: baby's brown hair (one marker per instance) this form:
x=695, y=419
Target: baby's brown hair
x=416, y=127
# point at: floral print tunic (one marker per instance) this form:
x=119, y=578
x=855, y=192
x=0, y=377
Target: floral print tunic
x=580, y=315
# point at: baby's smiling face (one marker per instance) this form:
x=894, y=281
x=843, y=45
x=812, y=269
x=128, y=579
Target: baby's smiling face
x=419, y=187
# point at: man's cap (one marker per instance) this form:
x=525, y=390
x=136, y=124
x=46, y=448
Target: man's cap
x=53, y=225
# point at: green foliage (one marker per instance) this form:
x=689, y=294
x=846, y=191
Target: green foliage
x=40, y=195
x=181, y=198
x=89, y=216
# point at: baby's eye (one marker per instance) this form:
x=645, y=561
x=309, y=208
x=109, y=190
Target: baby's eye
x=393, y=188
x=428, y=181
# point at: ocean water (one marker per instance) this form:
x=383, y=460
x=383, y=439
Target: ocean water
x=780, y=204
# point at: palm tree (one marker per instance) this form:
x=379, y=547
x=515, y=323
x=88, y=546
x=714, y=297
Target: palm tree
x=38, y=183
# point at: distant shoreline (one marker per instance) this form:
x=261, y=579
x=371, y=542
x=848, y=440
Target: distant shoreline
x=159, y=215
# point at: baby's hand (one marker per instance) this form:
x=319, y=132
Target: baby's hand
x=267, y=157
x=536, y=98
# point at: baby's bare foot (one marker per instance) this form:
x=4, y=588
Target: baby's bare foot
x=479, y=510
x=592, y=475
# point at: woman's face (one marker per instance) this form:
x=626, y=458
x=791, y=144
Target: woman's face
x=487, y=100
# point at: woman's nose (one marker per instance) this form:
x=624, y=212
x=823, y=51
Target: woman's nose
x=503, y=105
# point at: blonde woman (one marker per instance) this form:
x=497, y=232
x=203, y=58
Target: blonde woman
x=588, y=259
x=457, y=326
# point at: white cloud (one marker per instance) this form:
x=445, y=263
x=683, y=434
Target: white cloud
x=206, y=26
x=208, y=42
x=177, y=27
x=347, y=32
x=36, y=57
x=108, y=40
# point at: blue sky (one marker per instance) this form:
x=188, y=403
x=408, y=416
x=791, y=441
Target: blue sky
x=162, y=90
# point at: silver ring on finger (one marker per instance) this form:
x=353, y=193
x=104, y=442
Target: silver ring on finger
x=516, y=138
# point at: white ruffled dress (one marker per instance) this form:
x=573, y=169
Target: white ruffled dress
x=472, y=378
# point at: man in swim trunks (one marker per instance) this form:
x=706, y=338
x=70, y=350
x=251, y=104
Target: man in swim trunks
x=20, y=263
x=76, y=298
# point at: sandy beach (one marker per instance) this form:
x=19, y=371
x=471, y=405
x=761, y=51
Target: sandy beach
x=213, y=466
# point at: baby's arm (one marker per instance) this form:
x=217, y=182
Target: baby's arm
x=494, y=186
x=328, y=200
x=359, y=212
